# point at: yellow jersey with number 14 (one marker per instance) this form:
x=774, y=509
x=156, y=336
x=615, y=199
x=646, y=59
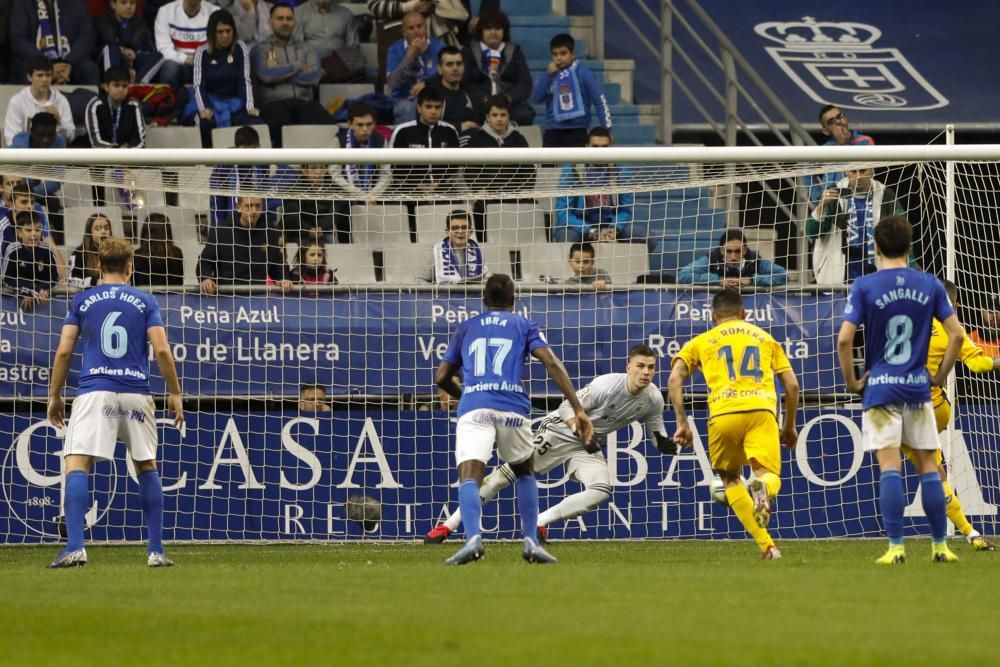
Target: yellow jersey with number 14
x=738, y=360
x=971, y=355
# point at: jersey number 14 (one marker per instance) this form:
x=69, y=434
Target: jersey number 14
x=749, y=362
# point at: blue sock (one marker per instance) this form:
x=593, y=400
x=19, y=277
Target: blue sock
x=77, y=497
x=151, y=496
x=892, y=501
x=527, y=503
x=471, y=506
x=932, y=494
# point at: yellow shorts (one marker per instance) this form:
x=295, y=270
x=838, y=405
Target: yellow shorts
x=942, y=413
x=736, y=438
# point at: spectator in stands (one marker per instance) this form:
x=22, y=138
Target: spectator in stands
x=223, y=90
x=410, y=63
x=833, y=125
x=457, y=258
x=253, y=19
x=234, y=177
x=462, y=109
x=325, y=27
x=497, y=132
x=38, y=96
x=29, y=265
x=242, y=251
x=842, y=226
x=310, y=265
x=568, y=90
x=85, y=264
x=601, y=217
x=427, y=131
x=58, y=30
x=358, y=180
x=584, y=266
x=157, y=260
x=181, y=27
x=288, y=75
x=732, y=265
x=496, y=66
x=309, y=216
x=313, y=398
x=42, y=133
x=18, y=198
x=113, y=119
x=125, y=40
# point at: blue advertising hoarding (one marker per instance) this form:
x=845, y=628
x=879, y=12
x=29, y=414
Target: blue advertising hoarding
x=287, y=477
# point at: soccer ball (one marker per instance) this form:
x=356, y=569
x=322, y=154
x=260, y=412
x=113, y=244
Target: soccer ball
x=718, y=490
x=364, y=510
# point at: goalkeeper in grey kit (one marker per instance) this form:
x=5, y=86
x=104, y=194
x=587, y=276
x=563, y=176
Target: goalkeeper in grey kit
x=612, y=401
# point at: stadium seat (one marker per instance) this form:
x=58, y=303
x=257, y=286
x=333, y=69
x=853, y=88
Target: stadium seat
x=761, y=239
x=225, y=137
x=173, y=137
x=403, y=264
x=348, y=91
x=532, y=134
x=353, y=264
x=515, y=224
x=310, y=136
x=543, y=262
x=75, y=219
x=624, y=262
x=380, y=226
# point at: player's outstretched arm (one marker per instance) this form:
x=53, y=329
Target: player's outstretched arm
x=60, y=369
x=444, y=378
x=956, y=336
x=584, y=429
x=675, y=387
x=789, y=434
x=165, y=360
x=845, y=350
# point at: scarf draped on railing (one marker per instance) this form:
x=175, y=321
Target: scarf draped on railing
x=566, y=95
x=446, y=263
x=51, y=41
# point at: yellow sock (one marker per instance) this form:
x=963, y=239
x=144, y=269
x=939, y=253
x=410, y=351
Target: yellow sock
x=739, y=499
x=954, y=509
x=771, y=481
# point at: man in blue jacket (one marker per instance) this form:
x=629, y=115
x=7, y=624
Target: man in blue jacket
x=733, y=265
x=568, y=90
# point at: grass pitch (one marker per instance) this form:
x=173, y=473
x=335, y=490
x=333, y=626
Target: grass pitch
x=620, y=603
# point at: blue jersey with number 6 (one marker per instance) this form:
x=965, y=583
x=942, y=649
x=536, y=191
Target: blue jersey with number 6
x=896, y=307
x=491, y=350
x=113, y=320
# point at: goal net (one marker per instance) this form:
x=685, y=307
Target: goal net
x=308, y=300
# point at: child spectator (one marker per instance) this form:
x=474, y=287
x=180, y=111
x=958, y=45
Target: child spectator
x=43, y=134
x=125, y=41
x=496, y=66
x=568, y=90
x=585, y=271
x=497, y=132
x=310, y=265
x=18, y=200
x=29, y=265
x=113, y=119
x=38, y=96
x=157, y=260
x=85, y=264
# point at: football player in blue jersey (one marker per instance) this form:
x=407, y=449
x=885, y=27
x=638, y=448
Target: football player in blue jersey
x=113, y=402
x=489, y=351
x=896, y=305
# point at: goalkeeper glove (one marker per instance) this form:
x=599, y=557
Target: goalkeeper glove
x=597, y=443
x=665, y=444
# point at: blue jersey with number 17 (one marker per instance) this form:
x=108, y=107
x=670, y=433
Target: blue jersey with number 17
x=896, y=307
x=113, y=320
x=491, y=350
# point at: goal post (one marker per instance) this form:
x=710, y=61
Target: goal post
x=253, y=463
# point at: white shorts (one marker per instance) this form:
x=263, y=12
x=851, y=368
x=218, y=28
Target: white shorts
x=479, y=429
x=891, y=425
x=101, y=418
x=552, y=450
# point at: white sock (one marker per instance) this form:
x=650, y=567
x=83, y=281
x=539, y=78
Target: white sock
x=574, y=505
x=495, y=482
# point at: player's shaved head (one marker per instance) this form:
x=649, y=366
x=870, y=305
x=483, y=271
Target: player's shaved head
x=893, y=236
x=499, y=292
x=115, y=254
x=727, y=303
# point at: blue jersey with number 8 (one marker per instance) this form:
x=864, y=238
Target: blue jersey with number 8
x=113, y=320
x=896, y=307
x=491, y=350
